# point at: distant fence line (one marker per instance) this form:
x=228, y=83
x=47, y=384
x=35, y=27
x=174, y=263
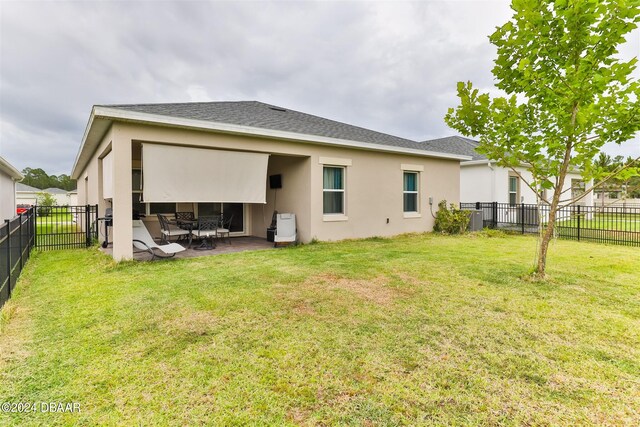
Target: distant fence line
x=44, y=228
x=614, y=225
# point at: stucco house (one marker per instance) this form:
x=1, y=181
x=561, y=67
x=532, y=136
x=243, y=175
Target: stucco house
x=28, y=195
x=63, y=197
x=249, y=159
x=481, y=180
x=9, y=175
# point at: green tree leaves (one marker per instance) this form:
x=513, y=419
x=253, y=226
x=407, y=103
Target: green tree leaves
x=38, y=178
x=568, y=91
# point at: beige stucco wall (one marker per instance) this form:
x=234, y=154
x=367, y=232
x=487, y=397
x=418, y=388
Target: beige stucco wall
x=293, y=197
x=7, y=197
x=373, y=184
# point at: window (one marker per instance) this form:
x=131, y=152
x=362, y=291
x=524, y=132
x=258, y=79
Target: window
x=410, y=192
x=209, y=209
x=162, y=208
x=333, y=190
x=514, y=183
x=136, y=195
x=577, y=188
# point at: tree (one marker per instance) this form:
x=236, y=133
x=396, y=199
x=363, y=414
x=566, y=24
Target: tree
x=38, y=178
x=44, y=202
x=568, y=94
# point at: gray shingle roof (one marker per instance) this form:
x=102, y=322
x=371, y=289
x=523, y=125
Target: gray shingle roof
x=54, y=190
x=455, y=145
x=266, y=116
x=24, y=187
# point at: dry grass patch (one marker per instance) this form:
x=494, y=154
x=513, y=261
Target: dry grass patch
x=377, y=290
x=191, y=322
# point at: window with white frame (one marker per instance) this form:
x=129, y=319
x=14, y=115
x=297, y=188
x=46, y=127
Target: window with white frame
x=333, y=190
x=410, y=191
x=514, y=189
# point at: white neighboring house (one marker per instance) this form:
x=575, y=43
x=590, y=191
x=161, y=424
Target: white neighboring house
x=9, y=175
x=27, y=195
x=63, y=197
x=481, y=180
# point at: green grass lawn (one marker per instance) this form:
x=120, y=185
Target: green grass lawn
x=604, y=221
x=415, y=330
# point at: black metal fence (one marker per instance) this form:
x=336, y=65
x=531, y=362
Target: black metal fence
x=615, y=225
x=44, y=228
x=66, y=227
x=17, y=239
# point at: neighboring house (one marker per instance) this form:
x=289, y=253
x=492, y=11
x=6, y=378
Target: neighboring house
x=27, y=195
x=482, y=180
x=340, y=180
x=9, y=175
x=63, y=197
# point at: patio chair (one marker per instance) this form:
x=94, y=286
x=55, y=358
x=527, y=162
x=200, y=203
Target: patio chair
x=225, y=228
x=169, y=230
x=207, y=231
x=185, y=220
x=142, y=240
x=285, y=229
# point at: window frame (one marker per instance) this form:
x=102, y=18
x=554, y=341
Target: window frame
x=335, y=215
x=415, y=192
x=515, y=192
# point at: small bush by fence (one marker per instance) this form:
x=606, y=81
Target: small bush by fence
x=615, y=225
x=17, y=239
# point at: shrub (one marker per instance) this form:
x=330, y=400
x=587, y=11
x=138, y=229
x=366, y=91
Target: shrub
x=44, y=202
x=451, y=220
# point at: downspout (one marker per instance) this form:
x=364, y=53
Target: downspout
x=493, y=182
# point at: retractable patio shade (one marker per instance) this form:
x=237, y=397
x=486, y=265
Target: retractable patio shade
x=186, y=174
x=107, y=176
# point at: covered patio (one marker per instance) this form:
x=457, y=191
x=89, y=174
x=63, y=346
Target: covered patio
x=238, y=244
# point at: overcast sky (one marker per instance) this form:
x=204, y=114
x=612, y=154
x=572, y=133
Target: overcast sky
x=387, y=66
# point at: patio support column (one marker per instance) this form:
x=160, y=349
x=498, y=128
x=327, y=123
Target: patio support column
x=122, y=206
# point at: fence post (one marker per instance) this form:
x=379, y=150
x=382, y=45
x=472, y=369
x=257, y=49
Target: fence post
x=494, y=214
x=579, y=222
x=95, y=218
x=8, y=224
x=35, y=226
x=87, y=233
x=522, y=216
x=20, y=240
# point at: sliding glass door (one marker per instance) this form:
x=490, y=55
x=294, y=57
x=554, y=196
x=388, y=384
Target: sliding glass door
x=226, y=210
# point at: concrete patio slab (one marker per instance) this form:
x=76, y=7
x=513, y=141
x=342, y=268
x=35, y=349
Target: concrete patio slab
x=238, y=244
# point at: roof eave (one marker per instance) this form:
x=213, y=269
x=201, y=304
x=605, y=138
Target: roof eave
x=8, y=168
x=114, y=114
x=477, y=162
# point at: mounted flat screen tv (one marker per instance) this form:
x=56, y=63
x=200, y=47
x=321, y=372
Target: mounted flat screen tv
x=275, y=181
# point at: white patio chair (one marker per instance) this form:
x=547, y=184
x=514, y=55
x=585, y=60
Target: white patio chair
x=142, y=240
x=285, y=229
x=169, y=230
x=225, y=228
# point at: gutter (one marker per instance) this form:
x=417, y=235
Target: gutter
x=115, y=114
x=7, y=168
